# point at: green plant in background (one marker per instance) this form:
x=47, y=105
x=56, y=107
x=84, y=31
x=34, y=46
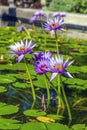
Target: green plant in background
x=78, y=6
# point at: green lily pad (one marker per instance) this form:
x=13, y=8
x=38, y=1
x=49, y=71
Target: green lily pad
x=33, y=126
x=78, y=127
x=21, y=85
x=6, y=109
x=34, y=113
x=2, y=89
x=9, y=124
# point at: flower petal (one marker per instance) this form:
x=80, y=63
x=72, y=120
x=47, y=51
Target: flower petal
x=51, y=32
x=53, y=76
x=67, y=74
x=20, y=58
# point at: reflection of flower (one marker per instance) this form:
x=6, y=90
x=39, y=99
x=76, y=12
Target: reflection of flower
x=57, y=66
x=54, y=24
x=42, y=62
x=37, y=16
x=20, y=49
x=58, y=14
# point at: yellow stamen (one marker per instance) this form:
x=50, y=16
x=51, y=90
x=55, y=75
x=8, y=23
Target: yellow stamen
x=22, y=49
x=58, y=67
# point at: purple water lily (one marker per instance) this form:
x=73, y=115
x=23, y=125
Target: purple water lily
x=41, y=62
x=57, y=66
x=53, y=25
x=42, y=67
x=21, y=48
x=39, y=14
x=33, y=19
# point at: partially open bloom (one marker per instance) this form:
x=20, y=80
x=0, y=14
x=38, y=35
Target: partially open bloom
x=54, y=24
x=41, y=62
x=37, y=16
x=20, y=28
x=59, y=14
x=21, y=48
x=57, y=67
x=33, y=19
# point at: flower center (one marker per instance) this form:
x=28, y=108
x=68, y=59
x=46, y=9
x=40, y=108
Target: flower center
x=22, y=49
x=54, y=25
x=58, y=67
x=43, y=67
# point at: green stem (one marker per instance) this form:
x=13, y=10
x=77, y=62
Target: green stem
x=48, y=92
x=56, y=43
x=51, y=83
x=60, y=100
x=59, y=94
x=68, y=108
x=27, y=32
x=32, y=87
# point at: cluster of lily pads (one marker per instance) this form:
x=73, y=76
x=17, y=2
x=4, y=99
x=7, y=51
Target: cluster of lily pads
x=45, y=62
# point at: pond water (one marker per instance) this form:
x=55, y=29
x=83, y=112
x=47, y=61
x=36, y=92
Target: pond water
x=15, y=84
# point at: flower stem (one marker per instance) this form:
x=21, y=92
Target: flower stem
x=32, y=87
x=56, y=43
x=60, y=100
x=59, y=91
x=48, y=92
x=68, y=108
x=27, y=32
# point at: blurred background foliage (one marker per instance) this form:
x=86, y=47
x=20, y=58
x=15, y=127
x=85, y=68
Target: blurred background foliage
x=77, y=6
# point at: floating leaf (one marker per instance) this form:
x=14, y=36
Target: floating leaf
x=9, y=124
x=34, y=113
x=55, y=117
x=6, y=109
x=40, y=82
x=75, y=81
x=2, y=89
x=6, y=79
x=33, y=126
x=21, y=85
x=78, y=127
x=56, y=126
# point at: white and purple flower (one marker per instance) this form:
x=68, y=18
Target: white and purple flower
x=21, y=48
x=58, y=67
x=42, y=66
x=54, y=24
